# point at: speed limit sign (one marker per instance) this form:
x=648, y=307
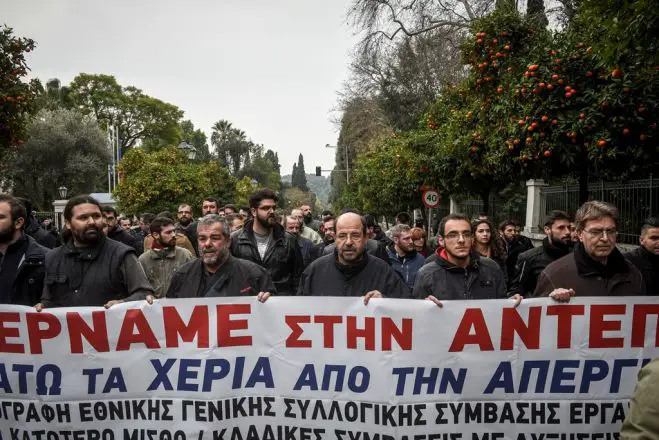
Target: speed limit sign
x=430, y=198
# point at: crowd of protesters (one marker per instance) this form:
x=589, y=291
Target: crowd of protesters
x=102, y=258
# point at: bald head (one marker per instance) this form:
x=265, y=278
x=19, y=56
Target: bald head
x=350, y=238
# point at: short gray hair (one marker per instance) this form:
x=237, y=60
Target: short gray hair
x=595, y=210
x=397, y=230
x=211, y=219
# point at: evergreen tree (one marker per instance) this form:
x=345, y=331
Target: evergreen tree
x=302, y=175
x=294, y=176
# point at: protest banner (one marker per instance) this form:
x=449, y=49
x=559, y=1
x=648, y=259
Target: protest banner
x=324, y=368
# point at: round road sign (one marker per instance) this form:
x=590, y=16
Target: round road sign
x=430, y=198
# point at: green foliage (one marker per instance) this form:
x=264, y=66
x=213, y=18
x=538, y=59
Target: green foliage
x=16, y=96
x=159, y=181
x=139, y=117
x=197, y=138
x=63, y=148
x=535, y=104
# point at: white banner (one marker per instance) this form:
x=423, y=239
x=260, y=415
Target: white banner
x=324, y=368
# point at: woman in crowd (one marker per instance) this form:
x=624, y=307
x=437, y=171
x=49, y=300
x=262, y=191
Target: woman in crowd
x=487, y=243
x=419, y=240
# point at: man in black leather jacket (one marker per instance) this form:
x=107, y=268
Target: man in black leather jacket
x=265, y=242
x=531, y=263
x=21, y=257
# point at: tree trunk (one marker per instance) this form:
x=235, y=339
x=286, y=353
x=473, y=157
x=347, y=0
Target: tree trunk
x=485, y=197
x=583, y=177
x=535, y=10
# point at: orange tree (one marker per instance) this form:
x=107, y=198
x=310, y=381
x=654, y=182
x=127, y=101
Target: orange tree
x=159, y=181
x=471, y=119
x=15, y=95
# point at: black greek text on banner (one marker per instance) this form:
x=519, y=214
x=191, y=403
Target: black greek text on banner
x=324, y=368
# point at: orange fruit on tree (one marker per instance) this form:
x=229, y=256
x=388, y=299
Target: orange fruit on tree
x=617, y=73
x=626, y=132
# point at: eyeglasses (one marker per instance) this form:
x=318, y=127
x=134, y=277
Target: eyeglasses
x=456, y=235
x=598, y=233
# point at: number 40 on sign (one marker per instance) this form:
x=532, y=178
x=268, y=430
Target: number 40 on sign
x=430, y=198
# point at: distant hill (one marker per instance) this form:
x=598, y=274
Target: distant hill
x=319, y=185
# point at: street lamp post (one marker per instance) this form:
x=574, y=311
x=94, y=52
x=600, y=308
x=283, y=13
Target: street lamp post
x=347, y=166
x=59, y=206
x=63, y=191
x=187, y=149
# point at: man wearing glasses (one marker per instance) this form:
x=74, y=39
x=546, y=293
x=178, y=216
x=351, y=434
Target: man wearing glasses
x=265, y=242
x=459, y=273
x=596, y=267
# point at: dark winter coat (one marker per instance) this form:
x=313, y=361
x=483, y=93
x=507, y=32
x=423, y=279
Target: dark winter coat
x=43, y=237
x=588, y=277
x=327, y=277
x=481, y=279
x=27, y=279
x=282, y=260
x=235, y=277
x=90, y=277
x=648, y=264
x=531, y=263
x=407, y=266
x=118, y=234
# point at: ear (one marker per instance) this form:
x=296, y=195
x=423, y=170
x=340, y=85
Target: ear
x=19, y=223
x=547, y=230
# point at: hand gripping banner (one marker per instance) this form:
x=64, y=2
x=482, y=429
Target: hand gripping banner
x=324, y=368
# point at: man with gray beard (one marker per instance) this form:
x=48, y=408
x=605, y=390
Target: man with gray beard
x=217, y=273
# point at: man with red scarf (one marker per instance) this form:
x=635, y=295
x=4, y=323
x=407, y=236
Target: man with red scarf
x=458, y=273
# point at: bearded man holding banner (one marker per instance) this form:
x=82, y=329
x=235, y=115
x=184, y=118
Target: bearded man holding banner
x=350, y=270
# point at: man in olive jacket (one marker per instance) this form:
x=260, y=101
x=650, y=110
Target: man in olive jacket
x=164, y=258
x=350, y=270
x=642, y=422
x=596, y=267
x=216, y=273
x=265, y=242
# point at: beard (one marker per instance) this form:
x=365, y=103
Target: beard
x=267, y=222
x=308, y=218
x=87, y=236
x=169, y=245
x=559, y=243
x=214, y=257
x=7, y=235
x=185, y=222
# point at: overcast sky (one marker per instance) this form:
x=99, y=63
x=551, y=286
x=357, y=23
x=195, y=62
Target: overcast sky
x=272, y=68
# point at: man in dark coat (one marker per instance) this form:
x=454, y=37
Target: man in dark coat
x=350, y=270
x=265, y=242
x=531, y=263
x=90, y=270
x=117, y=233
x=21, y=257
x=308, y=250
x=34, y=229
x=217, y=273
x=646, y=256
x=596, y=267
x=458, y=273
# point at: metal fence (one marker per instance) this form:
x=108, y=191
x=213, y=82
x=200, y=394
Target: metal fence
x=636, y=200
x=500, y=209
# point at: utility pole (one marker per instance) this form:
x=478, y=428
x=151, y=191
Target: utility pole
x=347, y=170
